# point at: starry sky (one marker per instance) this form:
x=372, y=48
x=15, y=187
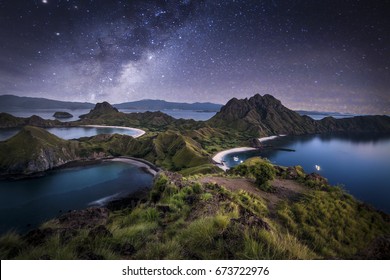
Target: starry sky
x=328, y=55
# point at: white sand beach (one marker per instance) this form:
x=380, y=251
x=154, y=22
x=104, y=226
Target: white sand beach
x=136, y=162
x=140, y=132
x=219, y=157
x=263, y=139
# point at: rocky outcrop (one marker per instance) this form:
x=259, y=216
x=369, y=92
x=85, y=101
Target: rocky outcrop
x=35, y=150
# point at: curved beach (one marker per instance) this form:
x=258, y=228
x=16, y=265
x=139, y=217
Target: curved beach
x=264, y=139
x=218, y=158
x=139, y=132
x=148, y=166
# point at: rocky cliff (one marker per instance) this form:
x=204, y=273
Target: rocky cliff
x=34, y=150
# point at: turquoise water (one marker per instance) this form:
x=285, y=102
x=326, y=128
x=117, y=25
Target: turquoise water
x=72, y=132
x=361, y=163
x=77, y=132
x=26, y=203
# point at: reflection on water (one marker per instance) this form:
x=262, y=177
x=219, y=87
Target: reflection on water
x=359, y=162
x=77, y=132
x=32, y=201
x=72, y=132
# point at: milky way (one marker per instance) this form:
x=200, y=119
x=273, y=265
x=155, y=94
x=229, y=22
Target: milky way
x=314, y=55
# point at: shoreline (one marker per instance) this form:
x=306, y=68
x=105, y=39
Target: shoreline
x=218, y=158
x=139, y=132
x=140, y=163
x=264, y=139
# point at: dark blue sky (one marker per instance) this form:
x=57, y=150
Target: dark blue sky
x=315, y=55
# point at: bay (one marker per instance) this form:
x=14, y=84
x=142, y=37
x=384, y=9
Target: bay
x=360, y=163
x=24, y=204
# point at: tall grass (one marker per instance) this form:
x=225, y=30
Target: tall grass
x=332, y=224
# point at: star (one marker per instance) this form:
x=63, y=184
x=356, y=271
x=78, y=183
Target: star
x=201, y=50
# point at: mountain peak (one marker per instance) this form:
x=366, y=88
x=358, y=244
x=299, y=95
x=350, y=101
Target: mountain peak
x=260, y=116
x=103, y=108
x=266, y=99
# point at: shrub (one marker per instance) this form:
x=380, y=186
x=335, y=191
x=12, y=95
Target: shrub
x=241, y=170
x=263, y=173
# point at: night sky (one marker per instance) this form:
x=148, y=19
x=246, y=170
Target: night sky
x=324, y=55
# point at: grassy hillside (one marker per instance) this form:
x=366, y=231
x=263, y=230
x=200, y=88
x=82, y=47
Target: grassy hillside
x=216, y=217
x=10, y=121
x=33, y=150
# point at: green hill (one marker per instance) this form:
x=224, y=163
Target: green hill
x=10, y=121
x=34, y=150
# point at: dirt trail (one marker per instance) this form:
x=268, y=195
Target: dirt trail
x=284, y=189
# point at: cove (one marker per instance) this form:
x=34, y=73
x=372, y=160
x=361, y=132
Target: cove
x=361, y=163
x=77, y=131
x=24, y=204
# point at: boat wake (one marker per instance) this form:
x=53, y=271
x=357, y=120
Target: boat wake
x=103, y=201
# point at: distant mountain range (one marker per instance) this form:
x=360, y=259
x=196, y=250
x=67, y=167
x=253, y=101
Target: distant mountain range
x=8, y=102
x=320, y=113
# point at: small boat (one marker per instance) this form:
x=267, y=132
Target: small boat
x=235, y=158
x=318, y=168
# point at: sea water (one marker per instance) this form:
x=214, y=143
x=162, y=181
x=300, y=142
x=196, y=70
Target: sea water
x=360, y=163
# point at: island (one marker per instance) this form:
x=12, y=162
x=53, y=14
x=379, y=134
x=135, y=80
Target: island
x=62, y=115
